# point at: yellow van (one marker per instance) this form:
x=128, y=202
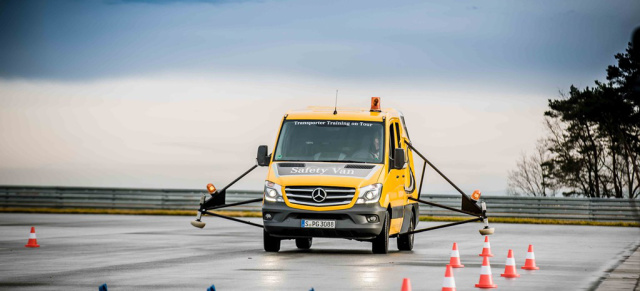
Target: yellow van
x=343, y=173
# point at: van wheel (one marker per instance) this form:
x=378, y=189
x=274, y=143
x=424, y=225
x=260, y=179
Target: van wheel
x=405, y=241
x=380, y=244
x=271, y=244
x=304, y=243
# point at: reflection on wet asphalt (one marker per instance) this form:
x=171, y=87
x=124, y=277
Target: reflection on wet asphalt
x=81, y=252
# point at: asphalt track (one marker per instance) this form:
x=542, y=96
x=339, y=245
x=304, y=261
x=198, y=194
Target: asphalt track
x=81, y=252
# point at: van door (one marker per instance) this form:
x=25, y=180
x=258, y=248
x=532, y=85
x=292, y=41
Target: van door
x=408, y=174
x=395, y=180
x=408, y=179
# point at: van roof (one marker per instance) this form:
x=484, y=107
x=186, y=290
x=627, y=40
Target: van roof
x=344, y=113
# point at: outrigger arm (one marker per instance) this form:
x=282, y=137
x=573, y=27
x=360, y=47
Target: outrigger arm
x=468, y=207
x=217, y=201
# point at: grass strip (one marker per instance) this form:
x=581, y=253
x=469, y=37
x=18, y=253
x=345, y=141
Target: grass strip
x=258, y=214
x=535, y=221
x=126, y=211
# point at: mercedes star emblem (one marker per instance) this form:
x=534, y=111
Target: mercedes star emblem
x=319, y=195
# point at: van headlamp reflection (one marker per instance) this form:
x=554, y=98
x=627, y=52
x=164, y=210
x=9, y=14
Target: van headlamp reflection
x=370, y=194
x=272, y=192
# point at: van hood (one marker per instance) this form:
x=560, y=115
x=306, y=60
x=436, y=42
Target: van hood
x=322, y=173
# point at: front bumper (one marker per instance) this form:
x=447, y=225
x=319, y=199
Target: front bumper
x=351, y=223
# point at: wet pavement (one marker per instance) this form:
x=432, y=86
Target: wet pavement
x=81, y=252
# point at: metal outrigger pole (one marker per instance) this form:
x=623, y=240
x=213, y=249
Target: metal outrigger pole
x=468, y=207
x=217, y=201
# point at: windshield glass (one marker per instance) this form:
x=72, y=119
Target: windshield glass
x=331, y=141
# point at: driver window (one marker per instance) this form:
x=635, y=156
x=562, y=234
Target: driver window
x=399, y=136
x=392, y=141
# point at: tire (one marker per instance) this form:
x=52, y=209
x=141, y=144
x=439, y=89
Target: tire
x=304, y=243
x=380, y=244
x=405, y=241
x=271, y=244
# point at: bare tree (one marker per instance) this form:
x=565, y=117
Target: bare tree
x=533, y=175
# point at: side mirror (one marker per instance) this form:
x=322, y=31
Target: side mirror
x=398, y=161
x=263, y=157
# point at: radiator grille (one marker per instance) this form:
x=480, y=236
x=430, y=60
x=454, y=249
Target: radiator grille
x=335, y=195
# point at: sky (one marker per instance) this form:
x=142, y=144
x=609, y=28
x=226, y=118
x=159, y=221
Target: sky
x=176, y=94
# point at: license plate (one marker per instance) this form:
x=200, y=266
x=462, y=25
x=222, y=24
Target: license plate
x=305, y=223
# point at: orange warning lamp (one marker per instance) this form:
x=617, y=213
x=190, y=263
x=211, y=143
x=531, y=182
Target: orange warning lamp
x=375, y=104
x=476, y=195
x=211, y=188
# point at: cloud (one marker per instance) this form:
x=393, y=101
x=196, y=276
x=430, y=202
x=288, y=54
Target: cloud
x=534, y=44
x=184, y=131
x=164, y=2
x=174, y=94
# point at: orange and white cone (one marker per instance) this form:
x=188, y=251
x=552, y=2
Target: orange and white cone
x=406, y=285
x=530, y=263
x=510, y=267
x=448, y=284
x=486, y=249
x=454, y=261
x=486, y=280
x=33, y=242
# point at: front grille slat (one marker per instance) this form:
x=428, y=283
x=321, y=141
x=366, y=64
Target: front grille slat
x=340, y=191
x=335, y=195
x=341, y=197
x=290, y=195
x=324, y=203
x=327, y=190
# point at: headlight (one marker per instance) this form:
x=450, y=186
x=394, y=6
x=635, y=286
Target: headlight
x=272, y=192
x=370, y=194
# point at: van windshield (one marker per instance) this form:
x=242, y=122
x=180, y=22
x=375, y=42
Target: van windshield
x=331, y=141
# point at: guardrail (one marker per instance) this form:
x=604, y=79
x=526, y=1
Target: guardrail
x=187, y=199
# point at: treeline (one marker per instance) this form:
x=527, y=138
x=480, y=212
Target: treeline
x=592, y=148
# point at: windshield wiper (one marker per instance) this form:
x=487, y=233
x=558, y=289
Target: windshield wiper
x=342, y=161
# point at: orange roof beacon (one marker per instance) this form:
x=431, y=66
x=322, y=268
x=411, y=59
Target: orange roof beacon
x=341, y=173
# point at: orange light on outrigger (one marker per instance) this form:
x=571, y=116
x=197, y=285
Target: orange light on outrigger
x=476, y=195
x=211, y=188
x=375, y=104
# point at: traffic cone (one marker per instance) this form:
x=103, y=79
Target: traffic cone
x=454, y=261
x=486, y=249
x=530, y=263
x=448, y=284
x=33, y=242
x=486, y=280
x=406, y=285
x=510, y=267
